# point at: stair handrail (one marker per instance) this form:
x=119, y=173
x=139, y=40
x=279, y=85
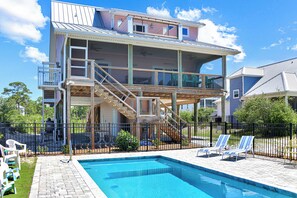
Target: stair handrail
x=117, y=82
x=127, y=105
x=176, y=116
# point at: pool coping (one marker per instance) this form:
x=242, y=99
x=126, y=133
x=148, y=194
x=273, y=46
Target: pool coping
x=97, y=192
x=95, y=189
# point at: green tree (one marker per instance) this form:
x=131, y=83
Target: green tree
x=79, y=113
x=264, y=110
x=18, y=92
x=204, y=114
x=187, y=116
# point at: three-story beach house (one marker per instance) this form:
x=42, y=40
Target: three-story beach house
x=127, y=66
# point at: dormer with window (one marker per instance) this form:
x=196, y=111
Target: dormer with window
x=138, y=23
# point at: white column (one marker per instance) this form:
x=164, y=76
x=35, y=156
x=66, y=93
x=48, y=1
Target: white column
x=223, y=99
x=180, y=68
x=180, y=32
x=130, y=24
x=286, y=100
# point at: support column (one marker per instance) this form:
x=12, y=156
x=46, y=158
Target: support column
x=130, y=64
x=286, y=100
x=177, y=112
x=196, y=118
x=92, y=117
x=173, y=103
x=68, y=103
x=138, y=126
x=223, y=99
x=180, y=32
x=180, y=68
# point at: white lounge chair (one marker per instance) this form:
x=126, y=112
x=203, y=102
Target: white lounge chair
x=219, y=146
x=245, y=145
x=13, y=145
x=10, y=156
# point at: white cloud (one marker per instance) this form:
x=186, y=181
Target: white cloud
x=190, y=15
x=294, y=47
x=279, y=42
x=281, y=30
x=34, y=55
x=163, y=12
x=209, y=67
x=209, y=10
x=20, y=20
x=221, y=35
x=35, y=78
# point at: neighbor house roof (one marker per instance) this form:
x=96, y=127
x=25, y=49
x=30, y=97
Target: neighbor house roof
x=247, y=71
x=279, y=78
x=81, y=21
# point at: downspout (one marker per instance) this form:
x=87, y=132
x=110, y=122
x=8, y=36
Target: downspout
x=63, y=90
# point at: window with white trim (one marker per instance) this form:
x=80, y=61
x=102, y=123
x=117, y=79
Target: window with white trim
x=185, y=31
x=139, y=28
x=235, y=93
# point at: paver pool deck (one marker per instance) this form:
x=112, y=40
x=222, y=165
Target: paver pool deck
x=53, y=178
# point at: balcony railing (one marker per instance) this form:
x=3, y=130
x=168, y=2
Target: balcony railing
x=166, y=78
x=148, y=76
x=48, y=76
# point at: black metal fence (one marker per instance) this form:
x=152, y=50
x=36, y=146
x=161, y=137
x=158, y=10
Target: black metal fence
x=270, y=139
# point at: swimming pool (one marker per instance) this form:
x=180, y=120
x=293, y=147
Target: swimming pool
x=160, y=176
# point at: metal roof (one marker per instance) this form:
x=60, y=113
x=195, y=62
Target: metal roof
x=247, y=71
x=84, y=21
x=278, y=78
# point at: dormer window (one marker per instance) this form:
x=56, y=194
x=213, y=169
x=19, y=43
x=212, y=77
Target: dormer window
x=185, y=31
x=140, y=27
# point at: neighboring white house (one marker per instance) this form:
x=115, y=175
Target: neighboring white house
x=274, y=80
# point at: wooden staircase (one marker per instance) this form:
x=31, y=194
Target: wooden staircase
x=115, y=102
x=170, y=130
x=104, y=81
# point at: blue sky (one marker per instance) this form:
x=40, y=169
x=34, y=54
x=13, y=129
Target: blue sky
x=265, y=30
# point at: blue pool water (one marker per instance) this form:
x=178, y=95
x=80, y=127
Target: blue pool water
x=164, y=177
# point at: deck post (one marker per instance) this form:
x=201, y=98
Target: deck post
x=68, y=127
x=177, y=112
x=286, y=100
x=173, y=103
x=196, y=118
x=130, y=64
x=223, y=99
x=180, y=68
x=92, y=117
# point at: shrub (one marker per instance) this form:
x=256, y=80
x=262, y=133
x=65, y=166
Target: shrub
x=126, y=142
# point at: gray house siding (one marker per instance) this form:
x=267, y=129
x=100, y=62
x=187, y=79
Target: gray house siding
x=235, y=83
x=249, y=82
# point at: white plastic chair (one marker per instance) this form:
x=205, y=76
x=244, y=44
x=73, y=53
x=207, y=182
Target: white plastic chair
x=5, y=185
x=12, y=144
x=10, y=154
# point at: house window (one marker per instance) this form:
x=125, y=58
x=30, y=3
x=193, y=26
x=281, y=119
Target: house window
x=139, y=28
x=235, y=93
x=120, y=22
x=167, y=29
x=185, y=31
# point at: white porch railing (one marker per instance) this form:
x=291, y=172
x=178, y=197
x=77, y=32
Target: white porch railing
x=48, y=75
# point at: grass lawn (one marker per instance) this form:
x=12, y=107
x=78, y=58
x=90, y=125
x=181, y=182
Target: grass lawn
x=23, y=185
